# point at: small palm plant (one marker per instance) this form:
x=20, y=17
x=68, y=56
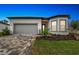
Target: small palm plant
x=45, y=33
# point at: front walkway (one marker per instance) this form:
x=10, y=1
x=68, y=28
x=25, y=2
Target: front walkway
x=16, y=45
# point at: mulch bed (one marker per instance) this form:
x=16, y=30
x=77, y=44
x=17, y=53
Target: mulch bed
x=57, y=37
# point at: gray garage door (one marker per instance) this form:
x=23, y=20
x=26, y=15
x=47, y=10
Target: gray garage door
x=25, y=29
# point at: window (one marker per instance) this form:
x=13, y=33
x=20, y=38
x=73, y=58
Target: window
x=54, y=25
x=62, y=25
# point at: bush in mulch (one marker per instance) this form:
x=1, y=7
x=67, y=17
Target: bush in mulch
x=57, y=37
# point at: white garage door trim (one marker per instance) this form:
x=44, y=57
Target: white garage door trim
x=31, y=28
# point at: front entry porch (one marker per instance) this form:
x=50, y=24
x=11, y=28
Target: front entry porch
x=44, y=24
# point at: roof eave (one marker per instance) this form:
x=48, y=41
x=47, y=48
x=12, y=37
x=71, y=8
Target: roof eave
x=67, y=16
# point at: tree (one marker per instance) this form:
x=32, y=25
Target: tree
x=74, y=25
x=4, y=21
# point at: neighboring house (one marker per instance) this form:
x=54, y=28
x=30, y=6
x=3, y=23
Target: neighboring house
x=3, y=26
x=33, y=25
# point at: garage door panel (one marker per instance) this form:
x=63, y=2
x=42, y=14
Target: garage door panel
x=26, y=28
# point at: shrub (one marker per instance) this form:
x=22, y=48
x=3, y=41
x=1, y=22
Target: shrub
x=6, y=31
x=1, y=34
x=45, y=32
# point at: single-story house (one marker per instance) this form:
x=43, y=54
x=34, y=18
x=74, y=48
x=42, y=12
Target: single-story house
x=33, y=25
x=3, y=26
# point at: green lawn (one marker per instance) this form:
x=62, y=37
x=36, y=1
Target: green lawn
x=63, y=47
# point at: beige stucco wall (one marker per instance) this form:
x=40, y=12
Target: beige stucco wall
x=27, y=21
x=3, y=26
x=58, y=21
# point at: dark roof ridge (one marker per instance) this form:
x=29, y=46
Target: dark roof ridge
x=31, y=17
x=24, y=17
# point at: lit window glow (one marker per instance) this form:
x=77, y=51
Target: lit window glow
x=53, y=25
x=62, y=25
